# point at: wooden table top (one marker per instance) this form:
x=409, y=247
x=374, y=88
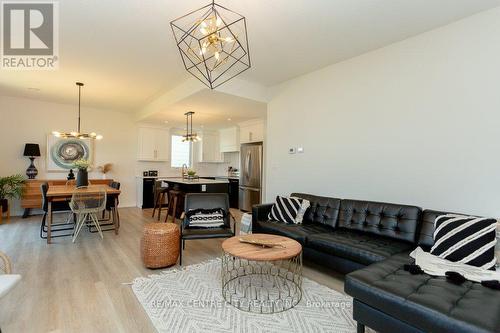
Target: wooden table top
x=290, y=249
x=67, y=190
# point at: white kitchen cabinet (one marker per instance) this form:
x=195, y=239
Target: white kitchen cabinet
x=252, y=131
x=153, y=144
x=209, y=148
x=229, y=140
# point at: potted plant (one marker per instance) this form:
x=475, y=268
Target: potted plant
x=11, y=187
x=191, y=173
x=82, y=177
x=105, y=169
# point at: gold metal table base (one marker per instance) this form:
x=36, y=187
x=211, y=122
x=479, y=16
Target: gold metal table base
x=262, y=286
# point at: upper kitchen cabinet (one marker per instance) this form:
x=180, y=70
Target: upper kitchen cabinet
x=154, y=144
x=252, y=131
x=209, y=148
x=229, y=140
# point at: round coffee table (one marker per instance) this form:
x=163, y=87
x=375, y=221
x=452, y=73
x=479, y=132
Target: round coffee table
x=262, y=279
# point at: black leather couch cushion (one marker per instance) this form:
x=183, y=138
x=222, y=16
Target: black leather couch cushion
x=428, y=303
x=360, y=247
x=299, y=232
x=383, y=219
x=323, y=210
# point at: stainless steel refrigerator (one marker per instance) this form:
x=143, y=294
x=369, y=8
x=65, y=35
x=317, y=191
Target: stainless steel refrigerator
x=250, y=175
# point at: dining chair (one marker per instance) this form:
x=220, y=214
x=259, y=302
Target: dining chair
x=86, y=205
x=7, y=280
x=205, y=201
x=57, y=206
x=111, y=207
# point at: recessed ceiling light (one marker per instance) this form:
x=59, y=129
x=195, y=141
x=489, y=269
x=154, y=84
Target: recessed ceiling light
x=34, y=89
x=228, y=119
x=166, y=121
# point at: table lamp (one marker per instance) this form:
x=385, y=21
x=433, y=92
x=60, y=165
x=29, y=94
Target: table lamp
x=31, y=150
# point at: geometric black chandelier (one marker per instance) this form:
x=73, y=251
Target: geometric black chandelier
x=77, y=134
x=213, y=43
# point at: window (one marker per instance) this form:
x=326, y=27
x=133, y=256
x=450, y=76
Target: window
x=181, y=152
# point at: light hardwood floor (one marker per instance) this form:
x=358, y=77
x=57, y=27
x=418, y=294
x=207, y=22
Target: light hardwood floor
x=81, y=287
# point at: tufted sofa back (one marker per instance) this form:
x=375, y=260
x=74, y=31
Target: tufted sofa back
x=323, y=210
x=425, y=239
x=384, y=219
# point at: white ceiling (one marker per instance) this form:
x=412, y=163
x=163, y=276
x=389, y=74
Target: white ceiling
x=213, y=110
x=125, y=52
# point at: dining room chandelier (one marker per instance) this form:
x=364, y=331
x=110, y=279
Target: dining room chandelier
x=190, y=136
x=213, y=43
x=77, y=134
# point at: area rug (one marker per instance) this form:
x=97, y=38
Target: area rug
x=190, y=300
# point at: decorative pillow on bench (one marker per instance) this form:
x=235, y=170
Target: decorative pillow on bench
x=206, y=218
x=469, y=240
x=289, y=209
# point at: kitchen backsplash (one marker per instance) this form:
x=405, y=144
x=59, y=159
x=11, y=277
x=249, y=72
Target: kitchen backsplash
x=204, y=169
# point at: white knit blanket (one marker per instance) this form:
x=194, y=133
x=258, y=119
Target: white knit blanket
x=436, y=266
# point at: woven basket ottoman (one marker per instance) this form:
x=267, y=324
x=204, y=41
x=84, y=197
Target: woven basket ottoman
x=160, y=245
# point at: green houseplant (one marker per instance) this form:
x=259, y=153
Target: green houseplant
x=11, y=187
x=82, y=177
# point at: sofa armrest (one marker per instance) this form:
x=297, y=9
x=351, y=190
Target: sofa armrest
x=260, y=212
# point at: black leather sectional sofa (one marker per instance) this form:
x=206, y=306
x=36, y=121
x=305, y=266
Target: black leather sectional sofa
x=371, y=242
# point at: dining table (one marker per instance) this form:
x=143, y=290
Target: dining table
x=65, y=192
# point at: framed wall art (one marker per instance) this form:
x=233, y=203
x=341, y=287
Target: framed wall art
x=61, y=153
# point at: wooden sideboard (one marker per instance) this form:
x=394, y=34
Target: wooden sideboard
x=32, y=197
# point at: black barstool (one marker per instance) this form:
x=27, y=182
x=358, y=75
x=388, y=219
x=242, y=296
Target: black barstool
x=159, y=195
x=173, y=196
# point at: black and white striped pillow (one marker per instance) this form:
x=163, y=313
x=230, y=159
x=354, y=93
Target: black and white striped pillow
x=288, y=209
x=206, y=218
x=469, y=240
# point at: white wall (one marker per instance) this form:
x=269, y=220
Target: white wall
x=25, y=120
x=416, y=122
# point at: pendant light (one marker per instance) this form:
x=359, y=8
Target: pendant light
x=78, y=134
x=190, y=136
x=213, y=43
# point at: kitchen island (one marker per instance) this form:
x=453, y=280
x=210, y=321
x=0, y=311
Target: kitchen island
x=199, y=185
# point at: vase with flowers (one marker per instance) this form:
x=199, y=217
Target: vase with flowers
x=104, y=169
x=82, y=177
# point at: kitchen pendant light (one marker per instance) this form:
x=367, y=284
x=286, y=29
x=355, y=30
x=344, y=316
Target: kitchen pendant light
x=213, y=43
x=190, y=136
x=78, y=134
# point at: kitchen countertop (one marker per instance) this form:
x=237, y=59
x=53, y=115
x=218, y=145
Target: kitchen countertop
x=180, y=180
x=167, y=177
x=222, y=177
